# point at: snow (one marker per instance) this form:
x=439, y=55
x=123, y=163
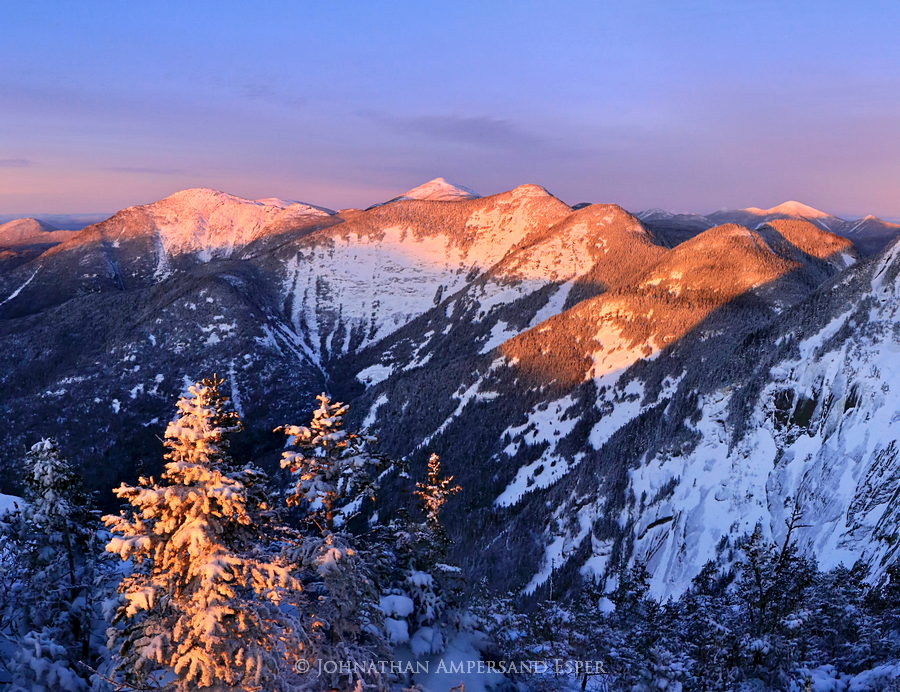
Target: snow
x=372, y=415
x=465, y=395
x=235, y=392
x=209, y=223
x=374, y=274
x=374, y=374
x=790, y=208
x=562, y=546
x=545, y=424
x=397, y=630
x=8, y=503
x=439, y=190
x=838, y=466
x=19, y=289
x=459, y=666
x=826, y=678
x=500, y=332
x=397, y=606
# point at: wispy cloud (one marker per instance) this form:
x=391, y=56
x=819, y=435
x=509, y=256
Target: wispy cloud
x=266, y=93
x=480, y=130
x=15, y=163
x=144, y=170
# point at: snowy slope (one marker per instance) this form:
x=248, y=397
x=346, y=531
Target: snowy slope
x=824, y=430
x=564, y=404
x=438, y=190
x=586, y=252
x=356, y=283
x=30, y=231
x=208, y=223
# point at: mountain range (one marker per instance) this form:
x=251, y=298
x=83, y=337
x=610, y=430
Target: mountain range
x=606, y=387
x=869, y=234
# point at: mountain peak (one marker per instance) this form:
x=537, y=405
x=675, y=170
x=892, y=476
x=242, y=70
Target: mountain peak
x=206, y=200
x=28, y=230
x=791, y=208
x=439, y=190
x=29, y=222
x=530, y=190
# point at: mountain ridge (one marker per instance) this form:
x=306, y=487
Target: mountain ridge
x=574, y=369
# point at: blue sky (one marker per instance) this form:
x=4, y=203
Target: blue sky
x=685, y=105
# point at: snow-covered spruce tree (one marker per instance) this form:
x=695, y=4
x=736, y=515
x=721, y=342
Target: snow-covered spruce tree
x=334, y=474
x=770, y=588
x=334, y=469
x=434, y=494
x=48, y=559
x=636, y=650
x=208, y=602
x=423, y=603
x=708, y=631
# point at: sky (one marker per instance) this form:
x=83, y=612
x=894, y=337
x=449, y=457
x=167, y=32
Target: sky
x=685, y=105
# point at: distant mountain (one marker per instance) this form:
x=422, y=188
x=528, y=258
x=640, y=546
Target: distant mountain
x=791, y=208
x=21, y=240
x=869, y=235
x=63, y=222
x=674, y=228
x=437, y=190
x=606, y=387
x=753, y=216
x=30, y=231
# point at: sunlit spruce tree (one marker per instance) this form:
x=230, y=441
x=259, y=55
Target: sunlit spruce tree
x=334, y=473
x=207, y=602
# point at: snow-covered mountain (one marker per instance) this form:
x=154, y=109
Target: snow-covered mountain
x=359, y=281
x=606, y=387
x=30, y=231
x=560, y=391
x=869, y=234
x=791, y=208
x=814, y=422
x=754, y=216
x=201, y=222
x=438, y=190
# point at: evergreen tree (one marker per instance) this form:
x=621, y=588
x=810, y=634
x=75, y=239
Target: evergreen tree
x=48, y=559
x=770, y=588
x=434, y=493
x=206, y=603
x=883, y=629
x=639, y=657
x=334, y=473
x=423, y=604
x=707, y=631
x=333, y=468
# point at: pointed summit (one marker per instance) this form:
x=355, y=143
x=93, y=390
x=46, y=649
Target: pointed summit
x=791, y=208
x=439, y=190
